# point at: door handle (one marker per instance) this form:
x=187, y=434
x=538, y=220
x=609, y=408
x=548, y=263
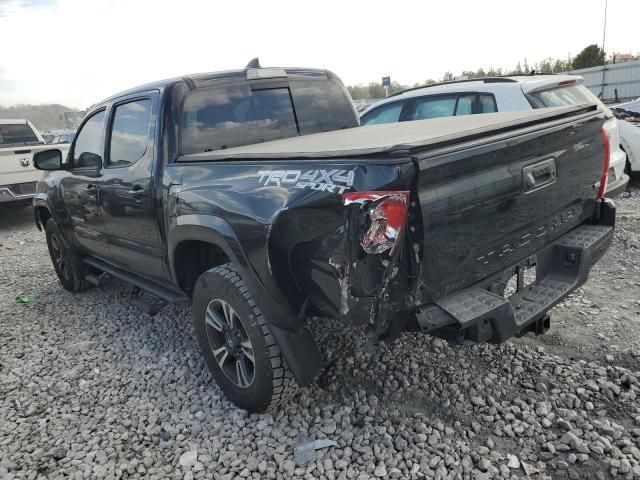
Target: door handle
x=138, y=192
x=91, y=189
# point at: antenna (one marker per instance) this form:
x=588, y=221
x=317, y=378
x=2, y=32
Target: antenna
x=604, y=60
x=253, y=63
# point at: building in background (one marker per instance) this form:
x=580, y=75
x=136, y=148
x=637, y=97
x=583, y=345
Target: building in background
x=618, y=57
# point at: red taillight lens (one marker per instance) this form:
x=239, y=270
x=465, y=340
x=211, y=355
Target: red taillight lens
x=387, y=212
x=602, y=188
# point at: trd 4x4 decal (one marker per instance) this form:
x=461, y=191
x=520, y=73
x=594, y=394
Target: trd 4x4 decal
x=334, y=181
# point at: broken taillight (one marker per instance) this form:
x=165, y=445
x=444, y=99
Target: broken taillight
x=604, y=178
x=387, y=218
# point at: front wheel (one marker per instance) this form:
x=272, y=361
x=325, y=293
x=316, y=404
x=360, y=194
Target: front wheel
x=68, y=265
x=237, y=344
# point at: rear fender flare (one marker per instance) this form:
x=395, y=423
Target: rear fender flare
x=295, y=341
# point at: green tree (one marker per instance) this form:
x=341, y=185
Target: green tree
x=545, y=66
x=447, y=77
x=591, y=56
x=357, y=92
x=375, y=90
x=561, y=66
x=518, y=70
x=397, y=87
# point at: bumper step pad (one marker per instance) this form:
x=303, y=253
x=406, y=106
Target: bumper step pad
x=479, y=315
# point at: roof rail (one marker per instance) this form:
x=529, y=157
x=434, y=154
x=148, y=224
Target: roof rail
x=484, y=79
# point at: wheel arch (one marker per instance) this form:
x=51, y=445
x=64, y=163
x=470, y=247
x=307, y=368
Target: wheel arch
x=190, y=230
x=42, y=214
x=631, y=163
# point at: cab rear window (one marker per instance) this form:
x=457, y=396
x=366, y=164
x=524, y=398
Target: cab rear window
x=226, y=117
x=235, y=115
x=17, y=134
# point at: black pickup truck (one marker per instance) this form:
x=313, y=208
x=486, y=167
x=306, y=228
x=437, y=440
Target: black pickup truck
x=254, y=196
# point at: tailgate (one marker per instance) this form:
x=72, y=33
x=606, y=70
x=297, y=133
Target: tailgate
x=492, y=203
x=15, y=160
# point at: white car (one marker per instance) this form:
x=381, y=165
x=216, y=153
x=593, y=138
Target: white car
x=629, y=132
x=19, y=140
x=499, y=94
x=630, y=143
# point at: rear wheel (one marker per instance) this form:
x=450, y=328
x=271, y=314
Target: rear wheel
x=237, y=344
x=68, y=265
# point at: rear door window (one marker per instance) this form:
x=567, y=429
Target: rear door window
x=389, y=113
x=487, y=103
x=234, y=115
x=465, y=104
x=434, y=107
x=129, y=133
x=17, y=134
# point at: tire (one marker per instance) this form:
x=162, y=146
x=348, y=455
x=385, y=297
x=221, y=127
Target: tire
x=68, y=265
x=228, y=345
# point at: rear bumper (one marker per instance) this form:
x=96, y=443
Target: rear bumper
x=8, y=195
x=618, y=186
x=478, y=315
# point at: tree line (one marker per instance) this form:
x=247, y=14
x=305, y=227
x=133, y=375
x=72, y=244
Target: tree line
x=590, y=56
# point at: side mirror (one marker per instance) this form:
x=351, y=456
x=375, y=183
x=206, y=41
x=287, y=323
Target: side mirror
x=48, y=159
x=89, y=160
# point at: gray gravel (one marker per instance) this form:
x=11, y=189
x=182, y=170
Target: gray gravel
x=92, y=388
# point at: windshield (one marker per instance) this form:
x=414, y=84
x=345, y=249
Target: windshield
x=235, y=115
x=17, y=134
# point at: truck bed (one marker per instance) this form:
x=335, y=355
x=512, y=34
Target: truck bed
x=391, y=139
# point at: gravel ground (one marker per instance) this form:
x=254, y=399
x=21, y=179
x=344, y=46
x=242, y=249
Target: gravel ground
x=92, y=388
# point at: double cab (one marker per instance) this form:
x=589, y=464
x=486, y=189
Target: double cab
x=255, y=197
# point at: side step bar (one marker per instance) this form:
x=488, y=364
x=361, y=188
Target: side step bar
x=154, y=289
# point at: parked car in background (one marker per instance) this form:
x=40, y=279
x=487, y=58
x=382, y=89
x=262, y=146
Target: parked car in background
x=627, y=110
x=47, y=137
x=253, y=196
x=59, y=136
x=19, y=140
x=628, y=115
x=630, y=143
x=499, y=94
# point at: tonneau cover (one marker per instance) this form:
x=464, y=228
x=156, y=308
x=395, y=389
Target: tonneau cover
x=386, y=138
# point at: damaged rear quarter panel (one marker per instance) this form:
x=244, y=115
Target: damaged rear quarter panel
x=289, y=219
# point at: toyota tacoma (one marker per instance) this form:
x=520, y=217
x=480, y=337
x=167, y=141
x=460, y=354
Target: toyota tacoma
x=255, y=197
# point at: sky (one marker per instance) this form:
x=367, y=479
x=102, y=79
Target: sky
x=77, y=52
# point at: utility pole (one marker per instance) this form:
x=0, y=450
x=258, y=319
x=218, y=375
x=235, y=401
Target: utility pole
x=604, y=60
